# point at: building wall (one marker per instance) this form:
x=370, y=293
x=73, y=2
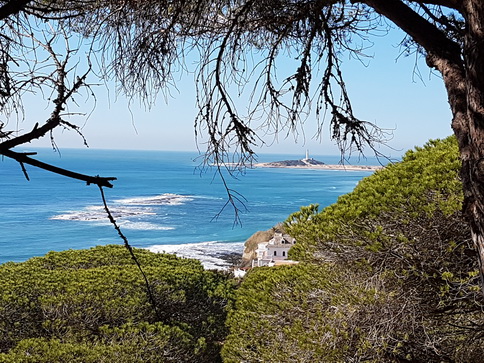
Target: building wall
x=277, y=252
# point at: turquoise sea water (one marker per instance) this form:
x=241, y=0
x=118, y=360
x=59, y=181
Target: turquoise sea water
x=161, y=200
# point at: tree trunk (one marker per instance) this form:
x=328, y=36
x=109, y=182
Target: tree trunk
x=463, y=73
x=464, y=82
x=472, y=146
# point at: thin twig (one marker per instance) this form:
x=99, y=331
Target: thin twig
x=131, y=252
x=24, y=171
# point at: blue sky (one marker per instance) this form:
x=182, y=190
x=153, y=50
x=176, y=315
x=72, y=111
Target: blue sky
x=386, y=92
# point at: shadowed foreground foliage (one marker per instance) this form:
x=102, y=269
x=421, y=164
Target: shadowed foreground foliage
x=92, y=306
x=387, y=274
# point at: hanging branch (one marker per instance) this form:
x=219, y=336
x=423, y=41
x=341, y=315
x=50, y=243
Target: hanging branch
x=131, y=252
x=58, y=78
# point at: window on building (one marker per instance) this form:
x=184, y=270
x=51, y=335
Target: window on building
x=283, y=253
x=275, y=253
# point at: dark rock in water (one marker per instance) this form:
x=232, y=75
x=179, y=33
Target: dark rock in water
x=233, y=259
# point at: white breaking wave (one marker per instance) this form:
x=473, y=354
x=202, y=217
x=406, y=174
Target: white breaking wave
x=212, y=255
x=143, y=226
x=130, y=213
x=162, y=199
x=97, y=213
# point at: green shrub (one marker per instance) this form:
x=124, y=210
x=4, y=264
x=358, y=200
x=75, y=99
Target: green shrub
x=388, y=274
x=299, y=313
x=129, y=343
x=75, y=297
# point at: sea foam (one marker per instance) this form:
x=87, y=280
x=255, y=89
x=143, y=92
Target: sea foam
x=212, y=254
x=162, y=199
x=143, y=226
x=98, y=213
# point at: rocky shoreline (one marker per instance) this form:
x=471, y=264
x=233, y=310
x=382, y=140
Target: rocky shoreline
x=315, y=164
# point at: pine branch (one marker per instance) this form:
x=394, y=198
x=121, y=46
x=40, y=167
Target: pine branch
x=23, y=158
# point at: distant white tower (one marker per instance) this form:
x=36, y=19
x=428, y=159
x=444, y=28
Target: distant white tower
x=307, y=155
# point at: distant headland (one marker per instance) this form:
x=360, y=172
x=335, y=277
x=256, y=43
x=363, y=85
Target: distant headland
x=310, y=163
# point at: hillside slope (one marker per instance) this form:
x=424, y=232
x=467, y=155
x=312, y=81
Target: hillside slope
x=388, y=274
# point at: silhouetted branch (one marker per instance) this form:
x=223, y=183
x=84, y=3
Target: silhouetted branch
x=13, y=7
x=234, y=199
x=24, y=159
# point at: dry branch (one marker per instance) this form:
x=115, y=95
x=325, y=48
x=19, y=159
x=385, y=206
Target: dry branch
x=23, y=158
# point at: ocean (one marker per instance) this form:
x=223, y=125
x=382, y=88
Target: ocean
x=161, y=200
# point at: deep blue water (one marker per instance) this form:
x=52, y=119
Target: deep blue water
x=161, y=200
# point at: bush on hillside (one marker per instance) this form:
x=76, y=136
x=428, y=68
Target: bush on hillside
x=390, y=274
x=300, y=313
x=83, y=305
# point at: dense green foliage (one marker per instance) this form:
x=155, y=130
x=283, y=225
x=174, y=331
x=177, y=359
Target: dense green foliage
x=299, y=313
x=92, y=306
x=388, y=273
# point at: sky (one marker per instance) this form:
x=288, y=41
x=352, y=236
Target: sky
x=386, y=91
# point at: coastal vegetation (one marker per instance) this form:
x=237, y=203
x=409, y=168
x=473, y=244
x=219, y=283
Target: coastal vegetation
x=92, y=306
x=389, y=273
x=386, y=274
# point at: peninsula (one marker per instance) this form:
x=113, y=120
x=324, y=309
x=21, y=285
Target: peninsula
x=310, y=163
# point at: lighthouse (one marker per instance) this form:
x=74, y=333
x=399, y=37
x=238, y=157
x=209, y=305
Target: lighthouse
x=307, y=155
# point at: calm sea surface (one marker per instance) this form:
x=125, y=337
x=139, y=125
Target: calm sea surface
x=161, y=200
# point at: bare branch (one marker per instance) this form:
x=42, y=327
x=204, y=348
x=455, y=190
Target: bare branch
x=22, y=158
x=452, y=4
x=427, y=35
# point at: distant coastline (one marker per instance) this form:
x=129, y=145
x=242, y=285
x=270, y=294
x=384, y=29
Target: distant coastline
x=310, y=163
x=323, y=167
